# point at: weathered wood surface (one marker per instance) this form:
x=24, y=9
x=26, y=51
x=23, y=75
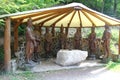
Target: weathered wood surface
x=7, y=49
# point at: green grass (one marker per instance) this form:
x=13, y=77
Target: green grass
x=21, y=76
x=113, y=66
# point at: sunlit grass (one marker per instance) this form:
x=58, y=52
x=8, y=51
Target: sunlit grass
x=114, y=66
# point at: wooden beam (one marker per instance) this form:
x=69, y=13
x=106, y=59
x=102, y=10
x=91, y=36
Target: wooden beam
x=16, y=35
x=42, y=17
x=33, y=14
x=88, y=18
x=55, y=15
x=80, y=18
x=96, y=15
x=7, y=40
x=62, y=17
x=71, y=18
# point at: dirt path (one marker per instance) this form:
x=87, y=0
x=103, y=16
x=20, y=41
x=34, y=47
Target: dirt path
x=88, y=73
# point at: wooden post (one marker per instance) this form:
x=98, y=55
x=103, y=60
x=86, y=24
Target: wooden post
x=16, y=35
x=15, y=39
x=7, y=40
x=119, y=42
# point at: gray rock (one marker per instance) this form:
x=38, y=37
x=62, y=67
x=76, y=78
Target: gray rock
x=70, y=57
x=13, y=65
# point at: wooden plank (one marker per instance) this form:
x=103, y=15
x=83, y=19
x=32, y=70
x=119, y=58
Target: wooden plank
x=7, y=40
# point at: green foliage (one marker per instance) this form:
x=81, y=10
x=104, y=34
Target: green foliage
x=28, y=75
x=114, y=66
x=114, y=40
x=1, y=23
x=99, y=32
x=8, y=6
x=118, y=11
x=12, y=6
x=21, y=30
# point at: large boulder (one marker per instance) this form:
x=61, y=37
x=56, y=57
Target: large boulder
x=70, y=57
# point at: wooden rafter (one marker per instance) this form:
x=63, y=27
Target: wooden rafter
x=80, y=18
x=71, y=19
x=88, y=18
x=37, y=14
x=18, y=22
x=54, y=16
x=96, y=15
x=66, y=14
x=42, y=17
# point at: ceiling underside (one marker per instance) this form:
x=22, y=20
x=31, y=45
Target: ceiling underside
x=71, y=15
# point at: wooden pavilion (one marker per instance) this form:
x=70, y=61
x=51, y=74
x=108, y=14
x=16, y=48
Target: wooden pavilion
x=71, y=15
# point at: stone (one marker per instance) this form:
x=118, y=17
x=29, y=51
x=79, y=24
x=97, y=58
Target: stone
x=70, y=57
x=13, y=65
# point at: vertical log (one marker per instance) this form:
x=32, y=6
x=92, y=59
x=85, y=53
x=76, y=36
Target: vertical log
x=119, y=42
x=16, y=35
x=15, y=39
x=7, y=50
